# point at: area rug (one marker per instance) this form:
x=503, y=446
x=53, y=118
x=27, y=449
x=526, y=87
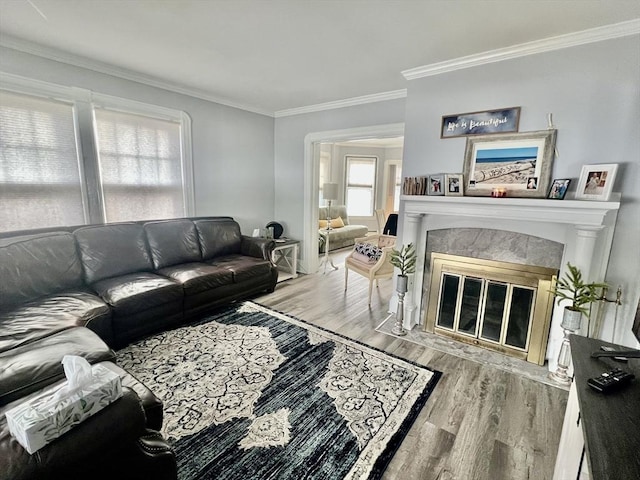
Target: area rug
x=250, y=393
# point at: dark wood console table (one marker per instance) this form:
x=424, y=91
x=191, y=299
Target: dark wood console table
x=606, y=425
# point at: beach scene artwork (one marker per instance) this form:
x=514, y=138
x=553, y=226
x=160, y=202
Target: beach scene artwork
x=512, y=165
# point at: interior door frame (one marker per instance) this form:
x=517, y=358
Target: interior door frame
x=309, y=254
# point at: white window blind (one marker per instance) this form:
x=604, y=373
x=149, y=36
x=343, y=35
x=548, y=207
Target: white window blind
x=40, y=175
x=361, y=178
x=140, y=164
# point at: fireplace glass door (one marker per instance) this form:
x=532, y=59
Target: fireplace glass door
x=497, y=305
x=488, y=310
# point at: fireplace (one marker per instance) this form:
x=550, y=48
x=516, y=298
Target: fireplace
x=501, y=306
x=582, y=231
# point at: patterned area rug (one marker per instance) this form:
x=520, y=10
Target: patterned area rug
x=250, y=393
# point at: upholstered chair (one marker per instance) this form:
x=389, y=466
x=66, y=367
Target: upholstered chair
x=370, y=258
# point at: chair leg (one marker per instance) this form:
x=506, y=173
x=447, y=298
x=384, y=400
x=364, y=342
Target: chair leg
x=370, y=289
x=346, y=276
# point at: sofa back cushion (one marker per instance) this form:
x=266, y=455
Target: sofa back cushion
x=112, y=250
x=336, y=211
x=218, y=237
x=172, y=242
x=38, y=265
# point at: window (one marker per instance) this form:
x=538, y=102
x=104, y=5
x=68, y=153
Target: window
x=140, y=166
x=136, y=164
x=325, y=173
x=40, y=174
x=361, y=180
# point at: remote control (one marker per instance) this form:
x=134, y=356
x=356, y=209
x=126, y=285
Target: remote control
x=610, y=380
x=610, y=349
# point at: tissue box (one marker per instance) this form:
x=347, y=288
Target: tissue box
x=38, y=421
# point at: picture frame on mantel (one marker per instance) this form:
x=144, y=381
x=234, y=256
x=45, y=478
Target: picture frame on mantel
x=519, y=164
x=453, y=184
x=596, y=182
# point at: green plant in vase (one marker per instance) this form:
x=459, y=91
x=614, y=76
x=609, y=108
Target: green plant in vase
x=405, y=261
x=572, y=287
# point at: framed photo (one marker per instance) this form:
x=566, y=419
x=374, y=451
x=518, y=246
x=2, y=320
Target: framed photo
x=596, y=182
x=453, y=184
x=436, y=184
x=559, y=188
x=518, y=163
x=480, y=123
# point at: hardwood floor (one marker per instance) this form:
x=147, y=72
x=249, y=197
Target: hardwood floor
x=479, y=423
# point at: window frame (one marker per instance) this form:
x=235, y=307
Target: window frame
x=83, y=103
x=374, y=160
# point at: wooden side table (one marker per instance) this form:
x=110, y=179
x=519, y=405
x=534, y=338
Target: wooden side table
x=285, y=257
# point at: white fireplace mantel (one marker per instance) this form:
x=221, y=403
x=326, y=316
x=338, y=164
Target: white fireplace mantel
x=584, y=227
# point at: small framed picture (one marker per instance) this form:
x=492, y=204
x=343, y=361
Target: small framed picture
x=596, y=182
x=436, y=184
x=453, y=184
x=559, y=188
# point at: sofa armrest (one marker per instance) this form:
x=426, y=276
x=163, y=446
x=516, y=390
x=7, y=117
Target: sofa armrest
x=257, y=247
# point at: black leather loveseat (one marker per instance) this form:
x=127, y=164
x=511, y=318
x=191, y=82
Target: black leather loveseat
x=86, y=290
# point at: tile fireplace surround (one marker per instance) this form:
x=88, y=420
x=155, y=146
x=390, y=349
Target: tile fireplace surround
x=585, y=228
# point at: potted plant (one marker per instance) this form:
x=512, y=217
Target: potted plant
x=405, y=261
x=573, y=288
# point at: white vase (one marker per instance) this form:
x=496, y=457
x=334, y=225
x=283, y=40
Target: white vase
x=571, y=319
x=401, y=284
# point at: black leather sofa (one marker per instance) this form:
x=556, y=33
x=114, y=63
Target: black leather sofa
x=87, y=290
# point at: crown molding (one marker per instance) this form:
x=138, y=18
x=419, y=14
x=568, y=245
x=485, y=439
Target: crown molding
x=348, y=102
x=599, y=34
x=49, y=53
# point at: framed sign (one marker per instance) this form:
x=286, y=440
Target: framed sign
x=480, y=123
x=517, y=163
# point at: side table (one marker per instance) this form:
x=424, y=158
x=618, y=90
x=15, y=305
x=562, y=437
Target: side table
x=285, y=257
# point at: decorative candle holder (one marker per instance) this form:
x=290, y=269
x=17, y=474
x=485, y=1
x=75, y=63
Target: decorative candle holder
x=499, y=192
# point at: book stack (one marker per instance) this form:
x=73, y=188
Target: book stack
x=415, y=186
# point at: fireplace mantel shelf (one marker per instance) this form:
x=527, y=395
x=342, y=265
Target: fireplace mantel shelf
x=575, y=212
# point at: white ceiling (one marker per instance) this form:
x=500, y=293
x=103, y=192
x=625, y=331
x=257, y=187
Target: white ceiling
x=273, y=55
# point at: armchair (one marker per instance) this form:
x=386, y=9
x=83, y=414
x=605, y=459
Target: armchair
x=370, y=258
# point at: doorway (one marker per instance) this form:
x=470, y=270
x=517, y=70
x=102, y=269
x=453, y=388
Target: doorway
x=312, y=165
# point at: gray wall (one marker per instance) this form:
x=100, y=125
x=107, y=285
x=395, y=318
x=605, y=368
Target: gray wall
x=232, y=148
x=593, y=92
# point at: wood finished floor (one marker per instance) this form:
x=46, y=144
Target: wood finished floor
x=479, y=423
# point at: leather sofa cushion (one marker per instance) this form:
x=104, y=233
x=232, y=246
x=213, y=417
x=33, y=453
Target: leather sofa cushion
x=198, y=277
x=118, y=424
x=38, y=265
x=137, y=292
x=218, y=237
x=30, y=367
x=243, y=268
x=172, y=242
x=112, y=250
x=51, y=314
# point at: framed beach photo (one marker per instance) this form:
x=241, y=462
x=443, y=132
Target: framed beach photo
x=559, y=188
x=517, y=163
x=436, y=184
x=596, y=182
x=453, y=184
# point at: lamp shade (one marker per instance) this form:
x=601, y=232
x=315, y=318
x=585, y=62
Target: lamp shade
x=330, y=191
